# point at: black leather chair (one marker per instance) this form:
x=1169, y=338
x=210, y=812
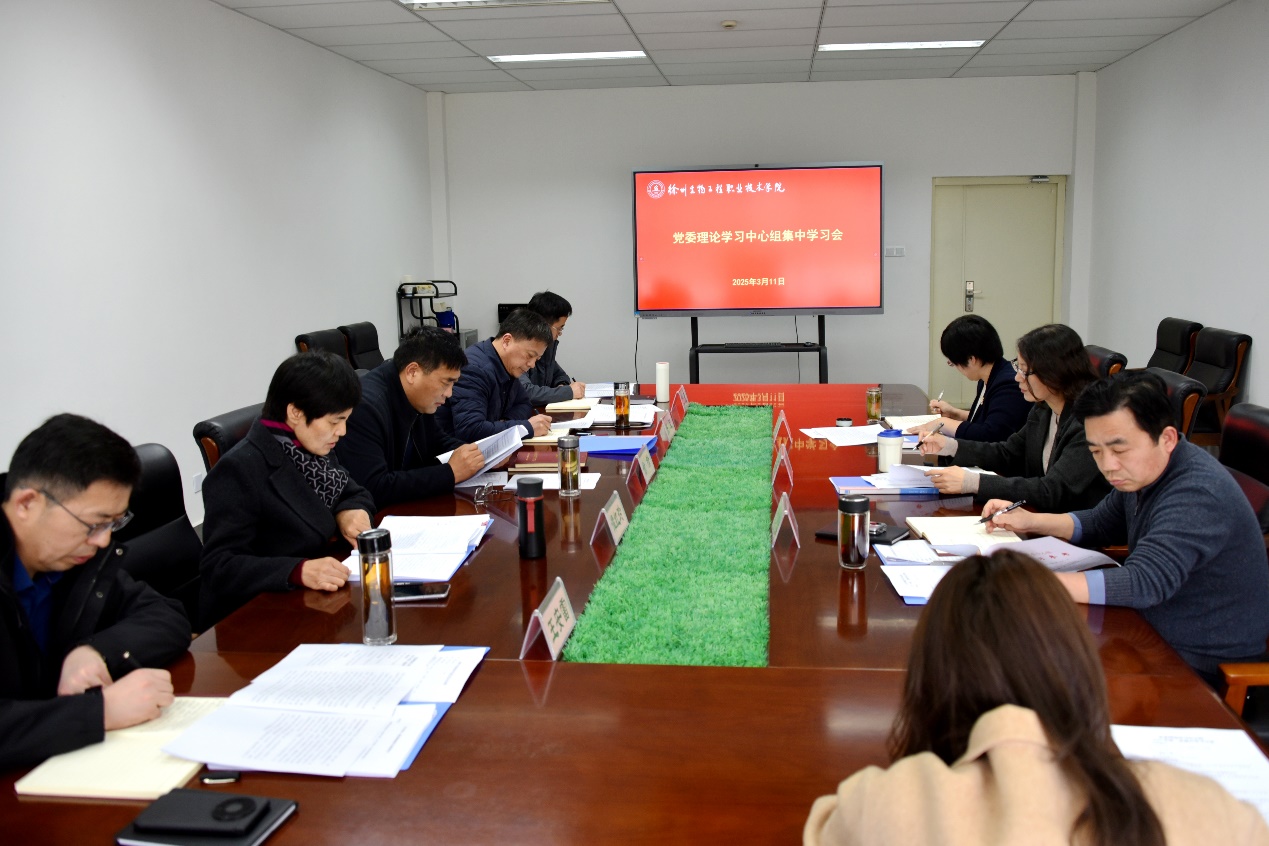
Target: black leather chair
x=1106, y=362
x=159, y=546
x=327, y=340
x=216, y=435
x=1219, y=355
x=1184, y=394
x=1244, y=451
x=363, y=345
x=1174, y=344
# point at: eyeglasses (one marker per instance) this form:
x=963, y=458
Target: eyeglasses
x=93, y=528
x=1026, y=374
x=489, y=493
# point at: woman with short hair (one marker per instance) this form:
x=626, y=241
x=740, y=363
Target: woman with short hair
x=1047, y=461
x=280, y=510
x=971, y=345
x=1003, y=736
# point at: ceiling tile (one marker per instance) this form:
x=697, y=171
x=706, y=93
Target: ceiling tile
x=732, y=54
x=332, y=14
x=582, y=44
x=1066, y=45
x=337, y=36
x=1024, y=70
x=833, y=55
x=636, y=7
x=737, y=78
x=910, y=62
x=420, y=50
x=861, y=76
x=712, y=21
x=701, y=68
x=474, y=87
x=908, y=14
x=247, y=4
x=530, y=74
x=486, y=13
x=557, y=27
x=1058, y=10
x=1076, y=29
x=399, y=66
x=1099, y=59
x=628, y=82
x=940, y=32
x=735, y=38
x=441, y=77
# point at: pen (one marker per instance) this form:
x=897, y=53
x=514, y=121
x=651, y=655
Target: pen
x=934, y=431
x=1005, y=510
x=130, y=662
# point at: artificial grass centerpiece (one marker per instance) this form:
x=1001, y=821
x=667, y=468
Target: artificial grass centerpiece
x=689, y=583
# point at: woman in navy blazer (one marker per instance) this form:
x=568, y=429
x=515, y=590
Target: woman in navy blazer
x=278, y=505
x=973, y=347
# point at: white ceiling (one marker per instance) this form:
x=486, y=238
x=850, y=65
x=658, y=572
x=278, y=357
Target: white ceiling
x=773, y=41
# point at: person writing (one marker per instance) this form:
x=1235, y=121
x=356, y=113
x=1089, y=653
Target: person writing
x=279, y=507
x=973, y=347
x=1196, y=566
x=393, y=438
x=1047, y=462
x=546, y=382
x=80, y=640
x=488, y=397
x=1003, y=736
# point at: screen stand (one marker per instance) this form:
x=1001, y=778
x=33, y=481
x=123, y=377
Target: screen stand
x=693, y=353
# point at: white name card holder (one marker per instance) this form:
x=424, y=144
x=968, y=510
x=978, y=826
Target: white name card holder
x=783, y=514
x=552, y=622
x=781, y=422
x=643, y=460
x=667, y=431
x=614, y=522
x=679, y=401
x=782, y=462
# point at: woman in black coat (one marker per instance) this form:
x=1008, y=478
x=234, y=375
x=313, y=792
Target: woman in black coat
x=973, y=347
x=279, y=507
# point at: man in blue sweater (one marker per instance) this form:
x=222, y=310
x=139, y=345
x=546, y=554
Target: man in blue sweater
x=488, y=397
x=546, y=382
x=1196, y=566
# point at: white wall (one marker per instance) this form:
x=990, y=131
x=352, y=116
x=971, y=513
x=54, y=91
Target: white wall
x=1180, y=210
x=184, y=191
x=540, y=197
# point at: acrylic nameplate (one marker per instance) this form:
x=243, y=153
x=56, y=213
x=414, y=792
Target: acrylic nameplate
x=783, y=512
x=781, y=422
x=668, y=429
x=680, y=400
x=644, y=461
x=782, y=460
x=552, y=621
x=613, y=518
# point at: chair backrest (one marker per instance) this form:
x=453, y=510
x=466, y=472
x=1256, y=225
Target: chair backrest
x=363, y=345
x=327, y=340
x=215, y=436
x=160, y=547
x=1174, y=344
x=1106, y=362
x=1218, y=358
x=1245, y=440
x=1257, y=493
x=1184, y=394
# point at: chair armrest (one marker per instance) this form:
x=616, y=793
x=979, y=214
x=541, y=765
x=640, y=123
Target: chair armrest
x=1239, y=677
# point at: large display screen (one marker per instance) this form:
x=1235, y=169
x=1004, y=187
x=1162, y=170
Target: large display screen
x=760, y=240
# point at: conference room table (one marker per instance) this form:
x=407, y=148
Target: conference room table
x=557, y=752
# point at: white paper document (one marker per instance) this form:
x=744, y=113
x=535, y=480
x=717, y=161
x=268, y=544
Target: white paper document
x=446, y=673
x=435, y=534
x=1228, y=756
x=910, y=552
x=959, y=531
x=563, y=427
x=494, y=448
x=599, y=389
x=551, y=481
x=1062, y=557
x=371, y=692
x=846, y=435
x=349, y=656
x=640, y=415
x=583, y=404
x=396, y=745
x=915, y=582
x=906, y=423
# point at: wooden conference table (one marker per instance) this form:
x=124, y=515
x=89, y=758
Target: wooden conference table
x=538, y=752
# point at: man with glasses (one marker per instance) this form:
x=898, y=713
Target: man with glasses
x=76, y=632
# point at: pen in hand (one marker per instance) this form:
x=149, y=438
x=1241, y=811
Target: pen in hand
x=1004, y=510
x=939, y=398
x=923, y=438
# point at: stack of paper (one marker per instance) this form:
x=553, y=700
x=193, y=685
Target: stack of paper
x=494, y=448
x=599, y=389
x=563, y=427
x=902, y=479
x=915, y=584
x=1062, y=557
x=334, y=710
x=584, y=404
x=129, y=764
x=428, y=549
x=640, y=415
x=844, y=436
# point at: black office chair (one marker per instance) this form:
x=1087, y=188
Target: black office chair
x=1174, y=344
x=1185, y=396
x=328, y=340
x=1244, y=450
x=215, y=436
x=1219, y=355
x=159, y=546
x=363, y=345
x=1106, y=362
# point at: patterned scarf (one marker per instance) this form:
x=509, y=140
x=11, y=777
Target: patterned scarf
x=327, y=479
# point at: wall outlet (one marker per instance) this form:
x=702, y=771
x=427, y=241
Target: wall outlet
x=895, y=252
x=198, y=482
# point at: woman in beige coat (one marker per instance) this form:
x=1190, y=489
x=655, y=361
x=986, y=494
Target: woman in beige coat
x=1003, y=736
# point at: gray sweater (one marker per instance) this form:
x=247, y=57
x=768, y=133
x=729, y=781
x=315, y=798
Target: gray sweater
x=547, y=382
x=1196, y=568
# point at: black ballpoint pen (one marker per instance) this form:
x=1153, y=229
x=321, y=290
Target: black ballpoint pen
x=1004, y=510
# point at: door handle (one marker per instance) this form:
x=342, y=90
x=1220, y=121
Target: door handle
x=969, y=295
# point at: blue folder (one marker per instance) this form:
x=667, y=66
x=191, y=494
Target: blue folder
x=616, y=444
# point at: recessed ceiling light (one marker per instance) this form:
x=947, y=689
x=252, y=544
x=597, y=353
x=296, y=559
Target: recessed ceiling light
x=904, y=45
x=570, y=57
x=434, y=5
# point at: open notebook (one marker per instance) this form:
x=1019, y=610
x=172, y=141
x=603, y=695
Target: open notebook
x=959, y=531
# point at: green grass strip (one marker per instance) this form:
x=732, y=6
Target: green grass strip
x=689, y=583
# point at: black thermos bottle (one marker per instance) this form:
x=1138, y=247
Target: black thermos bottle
x=531, y=517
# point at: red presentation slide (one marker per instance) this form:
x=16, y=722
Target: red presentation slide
x=796, y=238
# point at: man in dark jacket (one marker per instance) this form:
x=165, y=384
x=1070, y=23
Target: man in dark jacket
x=488, y=398
x=393, y=439
x=547, y=382
x=75, y=630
